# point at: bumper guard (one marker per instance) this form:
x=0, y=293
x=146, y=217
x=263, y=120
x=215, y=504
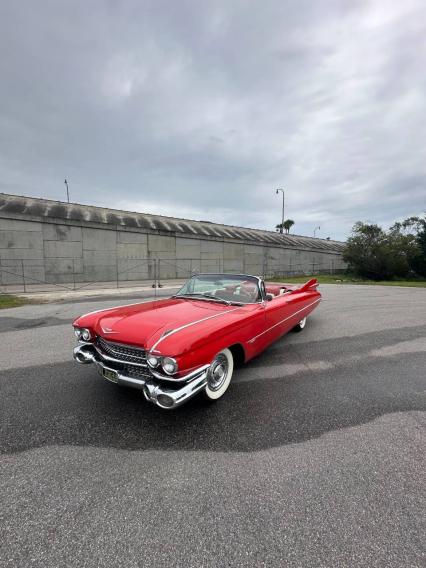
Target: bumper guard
x=153, y=389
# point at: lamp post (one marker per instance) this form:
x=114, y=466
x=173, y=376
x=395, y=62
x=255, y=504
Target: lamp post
x=282, y=218
x=316, y=229
x=68, y=193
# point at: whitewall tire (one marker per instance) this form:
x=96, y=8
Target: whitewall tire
x=300, y=326
x=219, y=375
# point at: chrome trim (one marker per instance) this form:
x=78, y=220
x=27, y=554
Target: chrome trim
x=89, y=347
x=178, y=396
x=122, y=346
x=111, y=344
x=174, y=361
x=82, y=354
x=121, y=361
x=82, y=330
x=253, y=339
x=196, y=380
x=187, y=377
x=152, y=371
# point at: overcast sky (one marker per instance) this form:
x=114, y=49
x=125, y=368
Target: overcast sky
x=200, y=109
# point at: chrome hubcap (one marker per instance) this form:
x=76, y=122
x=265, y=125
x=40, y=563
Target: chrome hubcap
x=302, y=323
x=218, y=372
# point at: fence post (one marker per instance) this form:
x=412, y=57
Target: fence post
x=313, y=267
x=73, y=273
x=116, y=269
x=159, y=285
x=23, y=275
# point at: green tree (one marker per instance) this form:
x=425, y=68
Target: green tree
x=377, y=254
x=288, y=223
x=415, y=228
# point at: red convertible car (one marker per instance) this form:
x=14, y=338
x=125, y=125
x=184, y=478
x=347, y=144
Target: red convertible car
x=177, y=347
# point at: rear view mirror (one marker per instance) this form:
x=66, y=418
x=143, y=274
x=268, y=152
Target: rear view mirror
x=269, y=297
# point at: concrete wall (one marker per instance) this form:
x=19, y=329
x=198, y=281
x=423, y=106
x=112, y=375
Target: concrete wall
x=61, y=251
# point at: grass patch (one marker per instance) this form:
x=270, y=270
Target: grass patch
x=9, y=301
x=349, y=279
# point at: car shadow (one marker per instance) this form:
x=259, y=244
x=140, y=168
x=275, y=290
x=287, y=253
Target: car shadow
x=362, y=380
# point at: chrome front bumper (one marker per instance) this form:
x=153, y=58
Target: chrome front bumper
x=153, y=389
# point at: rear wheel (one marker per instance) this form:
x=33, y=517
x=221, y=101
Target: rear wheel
x=219, y=375
x=300, y=326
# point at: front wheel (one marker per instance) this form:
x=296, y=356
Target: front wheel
x=219, y=375
x=300, y=326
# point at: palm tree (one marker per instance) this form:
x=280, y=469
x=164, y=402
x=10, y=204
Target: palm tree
x=288, y=223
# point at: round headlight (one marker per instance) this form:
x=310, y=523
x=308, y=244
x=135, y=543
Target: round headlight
x=77, y=332
x=86, y=335
x=152, y=361
x=169, y=365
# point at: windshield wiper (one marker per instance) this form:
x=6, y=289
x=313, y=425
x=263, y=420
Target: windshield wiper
x=219, y=299
x=201, y=295
x=211, y=297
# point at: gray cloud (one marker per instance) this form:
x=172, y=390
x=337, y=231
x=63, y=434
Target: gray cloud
x=201, y=109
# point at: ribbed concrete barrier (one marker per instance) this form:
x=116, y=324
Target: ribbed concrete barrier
x=43, y=241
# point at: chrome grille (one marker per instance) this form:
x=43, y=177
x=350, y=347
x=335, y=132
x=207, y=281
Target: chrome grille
x=137, y=372
x=125, y=353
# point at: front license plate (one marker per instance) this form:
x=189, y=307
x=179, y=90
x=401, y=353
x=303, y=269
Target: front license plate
x=110, y=375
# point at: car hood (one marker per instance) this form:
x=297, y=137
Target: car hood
x=143, y=324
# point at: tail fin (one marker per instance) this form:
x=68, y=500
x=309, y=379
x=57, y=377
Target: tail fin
x=312, y=283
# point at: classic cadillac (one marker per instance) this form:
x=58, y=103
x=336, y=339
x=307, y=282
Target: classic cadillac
x=177, y=347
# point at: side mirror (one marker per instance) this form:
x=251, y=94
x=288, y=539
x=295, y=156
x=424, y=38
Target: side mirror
x=269, y=297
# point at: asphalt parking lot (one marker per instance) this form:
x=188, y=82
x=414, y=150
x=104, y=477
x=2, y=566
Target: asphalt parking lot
x=315, y=457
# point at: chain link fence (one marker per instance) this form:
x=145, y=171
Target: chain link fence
x=73, y=274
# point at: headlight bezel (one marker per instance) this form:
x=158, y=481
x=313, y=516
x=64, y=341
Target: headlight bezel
x=86, y=334
x=161, y=363
x=83, y=334
x=157, y=361
x=171, y=362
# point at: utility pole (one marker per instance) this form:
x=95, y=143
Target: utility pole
x=282, y=217
x=68, y=193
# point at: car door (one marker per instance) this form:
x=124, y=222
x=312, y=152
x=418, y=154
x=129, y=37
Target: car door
x=278, y=316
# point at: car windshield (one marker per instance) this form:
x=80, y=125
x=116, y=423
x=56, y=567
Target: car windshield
x=222, y=288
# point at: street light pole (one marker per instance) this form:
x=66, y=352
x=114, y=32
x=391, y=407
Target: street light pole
x=68, y=193
x=282, y=218
x=316, y=229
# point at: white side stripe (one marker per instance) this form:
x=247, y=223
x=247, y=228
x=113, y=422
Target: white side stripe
x=153, y=348
x=282, y=321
